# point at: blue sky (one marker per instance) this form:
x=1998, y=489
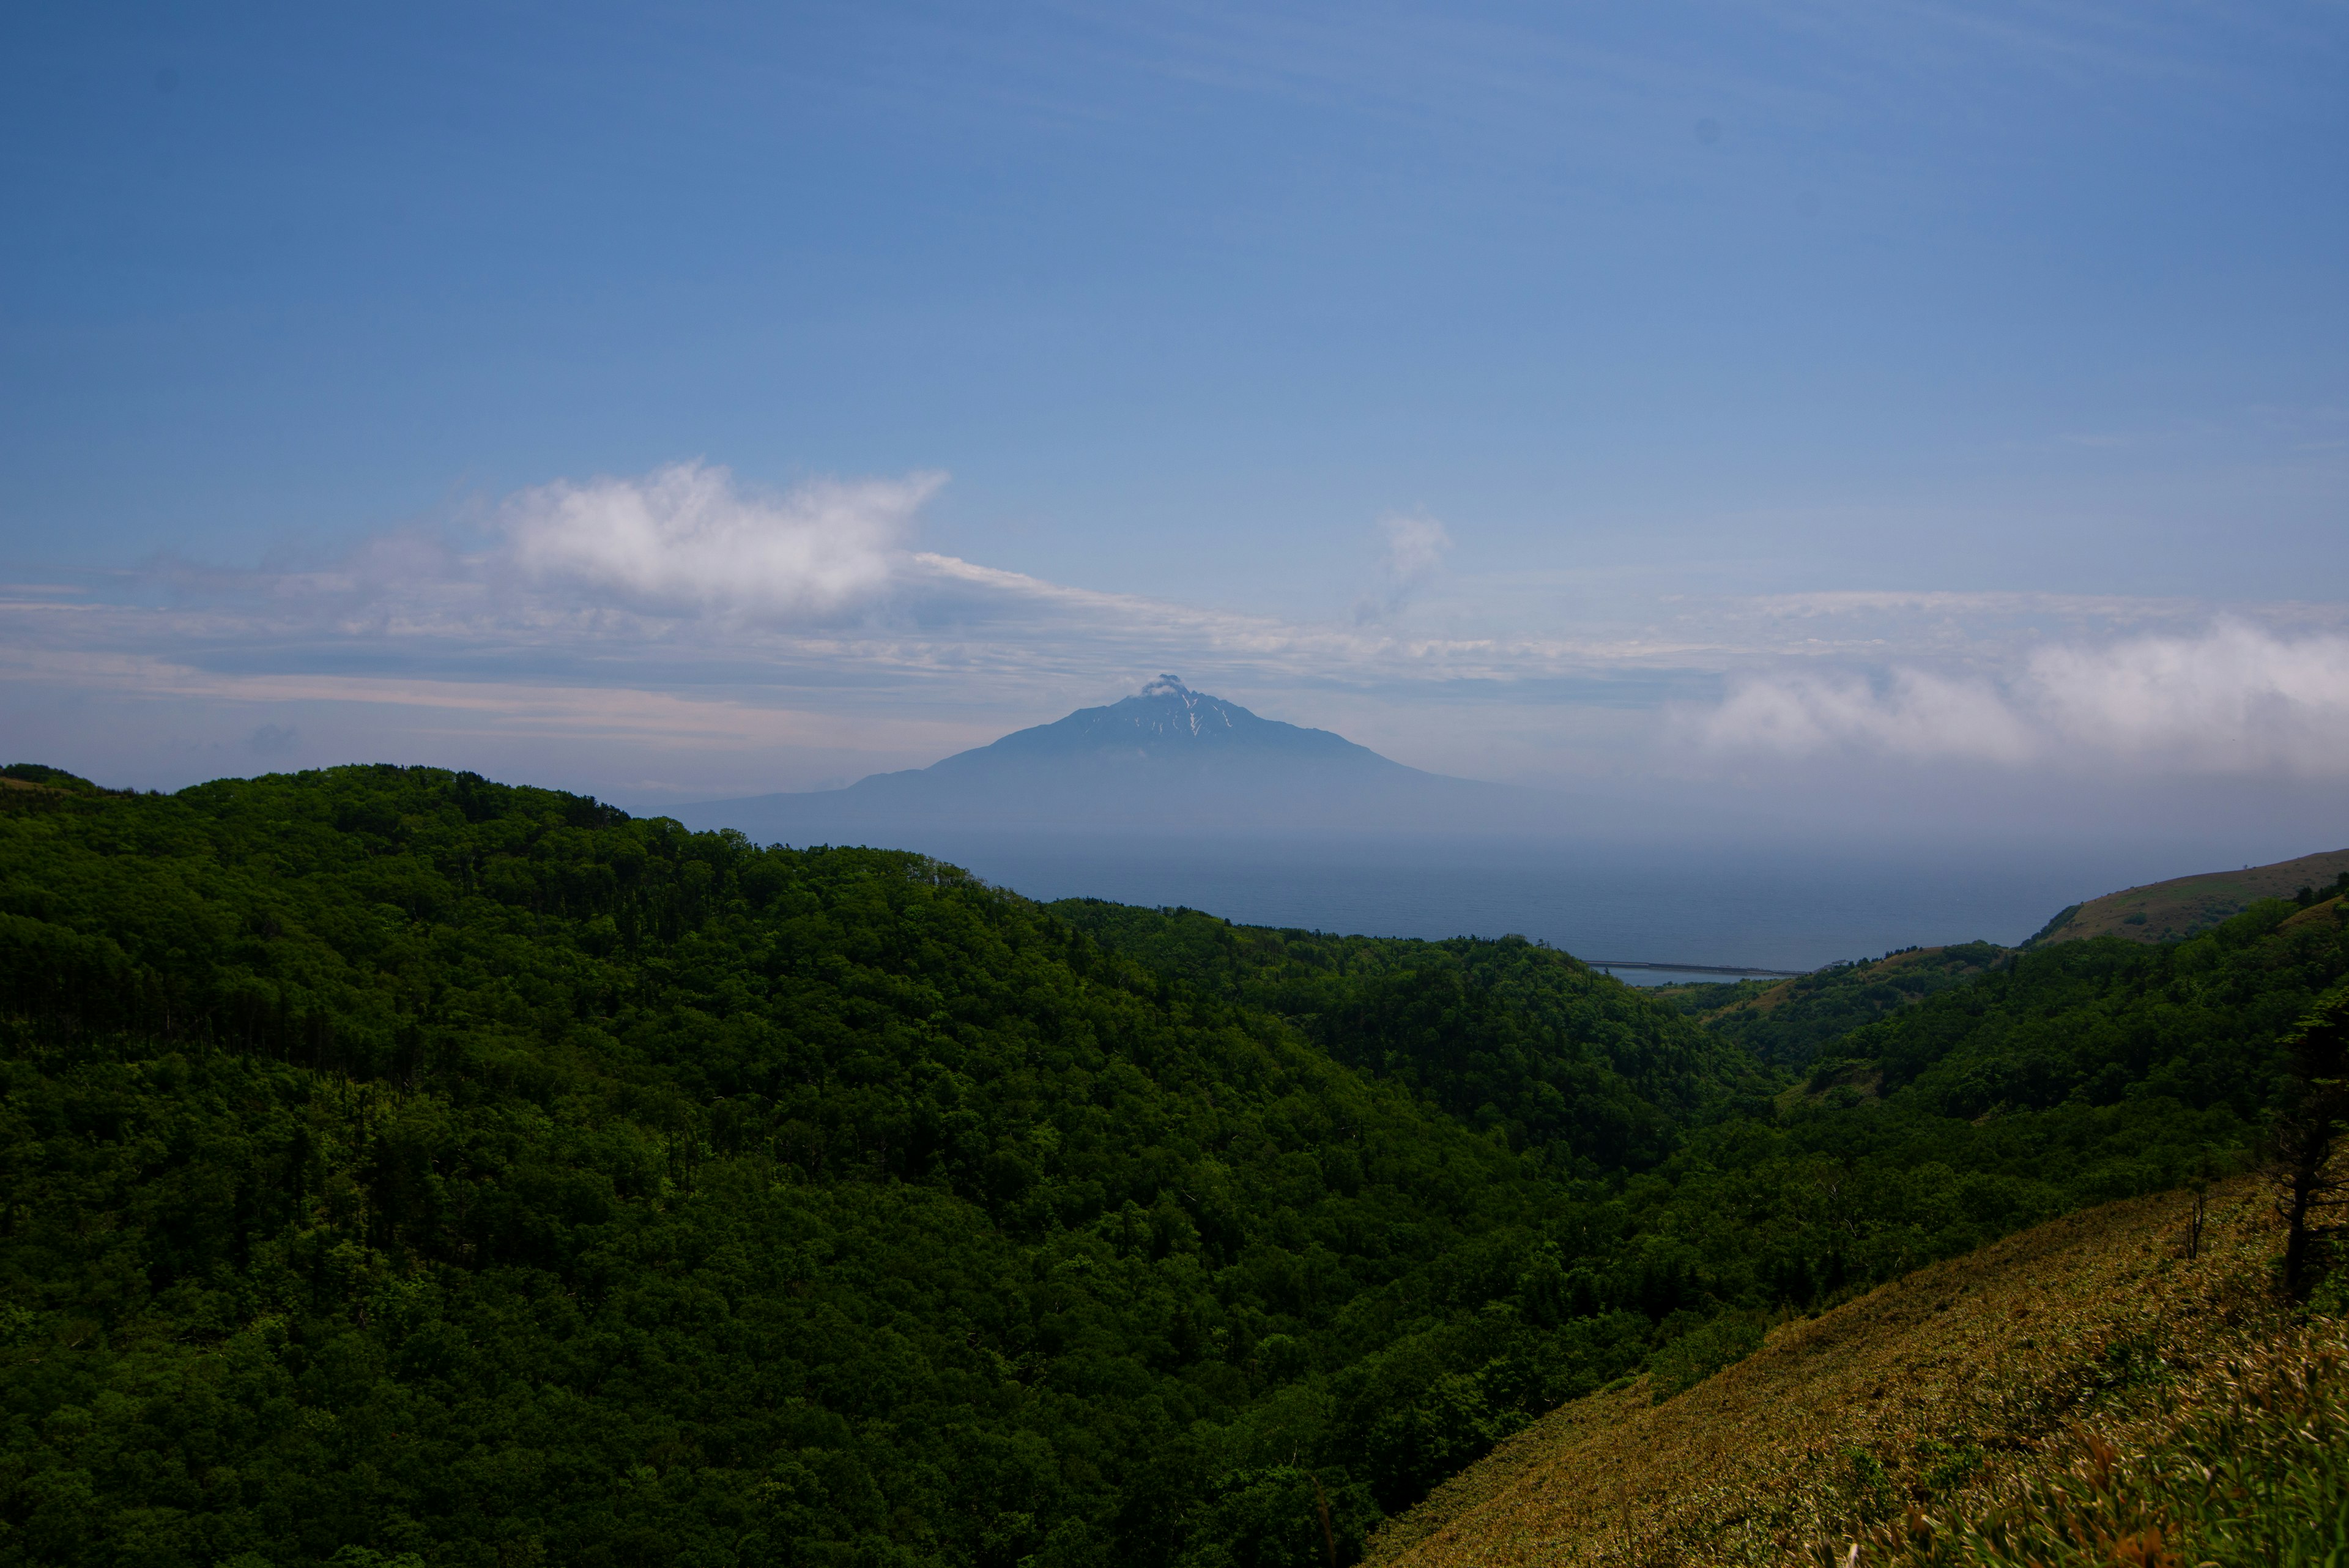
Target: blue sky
x=698, y=400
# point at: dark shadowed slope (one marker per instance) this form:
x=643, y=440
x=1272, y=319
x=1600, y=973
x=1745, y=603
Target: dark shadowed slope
x=1169, y=758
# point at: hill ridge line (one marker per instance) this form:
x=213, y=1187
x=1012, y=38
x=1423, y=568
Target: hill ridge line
x=1700, y=967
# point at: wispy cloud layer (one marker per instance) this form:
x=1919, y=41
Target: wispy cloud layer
x=1912, y=714
x=801, y=637
x=1414, y=547
x=689, y=577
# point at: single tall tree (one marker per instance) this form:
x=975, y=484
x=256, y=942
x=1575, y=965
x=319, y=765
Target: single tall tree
x=2306, y=1131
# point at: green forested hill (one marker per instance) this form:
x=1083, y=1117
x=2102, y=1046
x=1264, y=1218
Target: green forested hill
x=400, y=1161
x=1786, y=1022
x=2105, y=1021
x=1502, y=1034
x=394, y=1163
x=1981, y=1091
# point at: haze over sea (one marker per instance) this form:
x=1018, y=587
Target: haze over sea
x=1698, y=903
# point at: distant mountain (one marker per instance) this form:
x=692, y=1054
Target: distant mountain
x=2166, y=911
x=1166, y=725
x=1167, y=758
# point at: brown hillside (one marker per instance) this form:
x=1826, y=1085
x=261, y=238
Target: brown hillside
x=2166, y=911
x=1945, y=1386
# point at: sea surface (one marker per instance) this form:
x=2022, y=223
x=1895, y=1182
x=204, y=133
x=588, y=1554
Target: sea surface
x=1778, y=906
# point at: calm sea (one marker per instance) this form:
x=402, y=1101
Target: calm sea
x=1773, y=908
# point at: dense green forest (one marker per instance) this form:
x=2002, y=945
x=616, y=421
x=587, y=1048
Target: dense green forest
x=1587, y=1072
x=399, y=1166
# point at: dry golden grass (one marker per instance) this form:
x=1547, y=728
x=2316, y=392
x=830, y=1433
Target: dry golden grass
x=1951, y=1387
x=2251, y=1471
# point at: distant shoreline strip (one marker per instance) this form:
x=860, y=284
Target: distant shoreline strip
x=1700, y=968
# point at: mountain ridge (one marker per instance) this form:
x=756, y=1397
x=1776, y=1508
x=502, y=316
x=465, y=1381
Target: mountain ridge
x=1165, y=721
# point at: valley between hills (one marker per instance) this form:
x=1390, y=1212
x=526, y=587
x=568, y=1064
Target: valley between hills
x=399, y=1169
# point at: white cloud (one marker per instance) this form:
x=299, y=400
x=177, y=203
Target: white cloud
x=686, y=537
x=2233, y=698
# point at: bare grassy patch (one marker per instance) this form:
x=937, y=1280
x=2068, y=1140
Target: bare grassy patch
x=2166, y=911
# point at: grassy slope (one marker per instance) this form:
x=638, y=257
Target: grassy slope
x=2165, y=911
x=1949, y=1388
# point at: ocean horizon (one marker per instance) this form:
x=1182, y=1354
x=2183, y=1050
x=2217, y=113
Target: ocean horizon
x=1760, y=907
